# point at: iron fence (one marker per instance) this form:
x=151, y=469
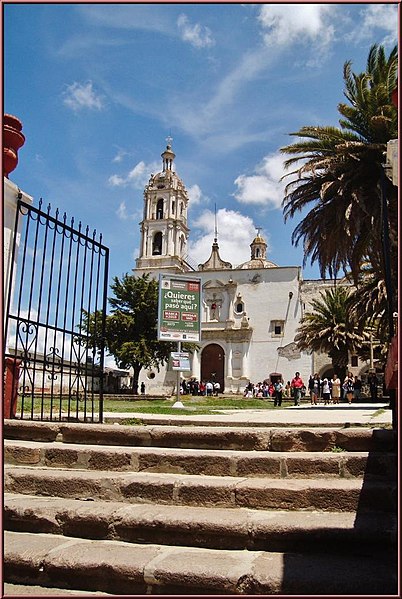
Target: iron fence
x=54, y=362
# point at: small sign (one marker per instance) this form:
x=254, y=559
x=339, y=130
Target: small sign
x=180, y=361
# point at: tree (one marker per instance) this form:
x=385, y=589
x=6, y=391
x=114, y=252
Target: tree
x=330, y=329
x=131, y=328
x=368, y=303
x=341, y=174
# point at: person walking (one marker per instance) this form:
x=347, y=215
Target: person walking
x=357, y=388
x=336, y=388
x=348, y=386
x=311, y=387
x=297, y=384
x=217, y=388
x=278, y=393
x=326, y=391
x=316, y=389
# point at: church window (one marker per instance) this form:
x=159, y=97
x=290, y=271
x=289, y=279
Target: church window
x=239, y=304
x=239, y=307
x=157, y=244
x=354, y=361
x=277, y=328
x=159, y=209
x=257, y=253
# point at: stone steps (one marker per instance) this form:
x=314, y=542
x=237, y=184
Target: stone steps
x=207, y=437
x=211, y=527
x=128, y=510
x=280, y=464
x=129, y=569
x=32, y=590
x=329, y=494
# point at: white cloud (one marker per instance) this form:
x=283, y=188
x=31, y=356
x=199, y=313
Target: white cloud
x=82, y=95
x=235, y=233
x=122, y=212
x=121, y=154
x=285, y=24
x=138, y=176
x=264, y=187
x=195, y=195
x=122, y=16
x=197, y=35
x=375, y=17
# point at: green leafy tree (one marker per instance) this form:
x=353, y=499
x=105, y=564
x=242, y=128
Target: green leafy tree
x=330, y=328
x=131, y=328
x=340, y=174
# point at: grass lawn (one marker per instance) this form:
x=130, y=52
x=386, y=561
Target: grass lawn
x=192, y=405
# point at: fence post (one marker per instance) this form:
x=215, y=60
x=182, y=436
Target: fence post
x=12, y=373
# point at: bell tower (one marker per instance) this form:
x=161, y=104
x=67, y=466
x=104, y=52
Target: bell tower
x=164, y=231
x=258, y=247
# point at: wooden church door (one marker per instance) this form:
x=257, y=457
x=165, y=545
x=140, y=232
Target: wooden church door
x=213, y=364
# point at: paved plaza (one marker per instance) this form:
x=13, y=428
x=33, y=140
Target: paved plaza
x=361, y=414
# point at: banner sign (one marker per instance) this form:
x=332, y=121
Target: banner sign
x=180, y=360
x=179, y=309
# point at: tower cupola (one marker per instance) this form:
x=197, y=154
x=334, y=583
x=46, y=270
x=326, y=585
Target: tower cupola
x=258, y=247
x=258, y=254
x=168, y=156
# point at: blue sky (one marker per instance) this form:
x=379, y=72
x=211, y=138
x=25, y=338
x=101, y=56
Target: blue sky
x=99, y=88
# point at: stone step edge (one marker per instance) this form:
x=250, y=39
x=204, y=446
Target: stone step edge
x=151, y=569
x=211, y=527
x=25, y=590
x=275, y=439
x=198, y=461
x=258, y=493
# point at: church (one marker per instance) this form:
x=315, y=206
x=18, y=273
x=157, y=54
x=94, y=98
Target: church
x=250, y=312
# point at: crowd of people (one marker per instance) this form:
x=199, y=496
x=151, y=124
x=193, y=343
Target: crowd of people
x=326, y=390
x=195, y=387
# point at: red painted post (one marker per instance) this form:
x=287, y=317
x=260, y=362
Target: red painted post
x=11, y=387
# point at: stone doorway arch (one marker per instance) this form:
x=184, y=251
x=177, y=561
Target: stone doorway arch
x=213, y=364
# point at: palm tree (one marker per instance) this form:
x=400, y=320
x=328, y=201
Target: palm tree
x=341, y=174
x=329, y=328
x=368, y=303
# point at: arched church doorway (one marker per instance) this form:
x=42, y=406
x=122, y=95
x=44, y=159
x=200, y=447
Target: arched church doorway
x=327, y=373
x=213, y=364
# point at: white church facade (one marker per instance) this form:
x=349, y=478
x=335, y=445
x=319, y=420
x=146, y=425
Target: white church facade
x=250, y=312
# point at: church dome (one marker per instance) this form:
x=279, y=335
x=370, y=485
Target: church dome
x=257, y=263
